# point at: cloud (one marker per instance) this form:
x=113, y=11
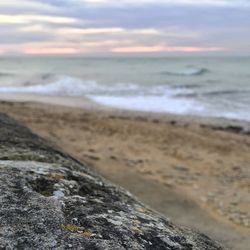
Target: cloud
x=23, y=7
x=79, y=26
x=150, y=49
x=163, y=2
x=29, y=19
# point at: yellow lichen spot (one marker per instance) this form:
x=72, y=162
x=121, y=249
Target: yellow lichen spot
x=77, y=229
x=57, y=176
x=86, y=234
x=142, y=210
x=136, y=222
x=73, y=228
x=136, y=230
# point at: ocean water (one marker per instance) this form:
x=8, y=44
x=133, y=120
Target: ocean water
x=202, y=86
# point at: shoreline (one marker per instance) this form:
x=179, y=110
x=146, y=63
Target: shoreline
x=217, y=123
x=201, y=165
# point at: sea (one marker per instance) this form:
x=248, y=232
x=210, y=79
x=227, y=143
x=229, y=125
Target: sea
x=201, y=86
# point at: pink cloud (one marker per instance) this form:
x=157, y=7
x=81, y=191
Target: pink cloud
x=54, y=48
x=151, y=49
x=38, y=49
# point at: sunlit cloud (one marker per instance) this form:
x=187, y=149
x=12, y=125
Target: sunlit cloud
x=33, y=28
x=28, y=4
x=147, y=31
x=111, y=30
x=88, y=31
x=27, y=19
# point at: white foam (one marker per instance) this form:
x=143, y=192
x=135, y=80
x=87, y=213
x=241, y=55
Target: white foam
x=245, y=116
x=150, y=103
x=70, y=86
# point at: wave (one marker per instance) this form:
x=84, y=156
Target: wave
x=187, y=72
x=187, y=95
x=150, y=98
x=213, y=81
x=46, y=76
x=70, y=86
x=214, y=93
x=225, y=92
x=187, y=86
x=66, y=86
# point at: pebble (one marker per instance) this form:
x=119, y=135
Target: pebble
x=74, y=220
x=246, y=223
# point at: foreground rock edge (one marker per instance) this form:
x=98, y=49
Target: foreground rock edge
x=51, y=201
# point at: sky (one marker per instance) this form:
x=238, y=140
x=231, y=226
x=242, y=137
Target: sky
x=124, y=26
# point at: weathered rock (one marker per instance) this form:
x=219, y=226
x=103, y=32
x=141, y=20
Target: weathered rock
x=48, y=200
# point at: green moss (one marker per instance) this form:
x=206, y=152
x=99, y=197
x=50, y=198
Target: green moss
x=46, y=193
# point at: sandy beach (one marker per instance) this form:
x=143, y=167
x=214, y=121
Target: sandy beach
x=194, y=171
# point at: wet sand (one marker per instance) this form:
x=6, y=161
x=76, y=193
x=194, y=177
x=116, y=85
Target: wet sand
x=194, y=171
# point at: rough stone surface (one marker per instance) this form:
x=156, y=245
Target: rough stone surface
x=48, y=200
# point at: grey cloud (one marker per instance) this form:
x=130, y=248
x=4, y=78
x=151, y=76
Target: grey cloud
x=16, y=38
x=164, y=16
x=22, y=9
x=11, y=34
x=217, y=26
